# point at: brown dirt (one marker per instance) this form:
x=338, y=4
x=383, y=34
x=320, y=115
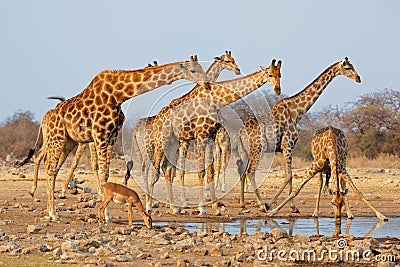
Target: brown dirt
x=382, y=190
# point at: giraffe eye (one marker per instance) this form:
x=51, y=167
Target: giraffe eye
x=192, y=71
x=347, y=68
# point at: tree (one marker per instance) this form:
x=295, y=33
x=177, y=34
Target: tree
x=18, y=134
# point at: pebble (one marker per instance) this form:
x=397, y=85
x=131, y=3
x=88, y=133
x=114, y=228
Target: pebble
x=33, y=229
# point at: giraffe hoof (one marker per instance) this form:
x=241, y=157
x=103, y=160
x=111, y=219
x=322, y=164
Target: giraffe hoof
x=315, y=215
x=266, y=207
x=176, y=211
x=295, y=210
x=202, y=214
x=62, y=196
x=155, y=204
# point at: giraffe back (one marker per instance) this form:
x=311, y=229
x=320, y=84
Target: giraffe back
x=330, y=143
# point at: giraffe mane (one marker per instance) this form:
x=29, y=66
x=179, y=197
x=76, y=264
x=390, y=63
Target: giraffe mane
x=319, y=76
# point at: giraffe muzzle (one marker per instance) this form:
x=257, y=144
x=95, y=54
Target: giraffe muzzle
x=277, y=90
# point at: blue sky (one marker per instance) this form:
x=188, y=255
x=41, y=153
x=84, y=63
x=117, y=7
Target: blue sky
x=53, y=48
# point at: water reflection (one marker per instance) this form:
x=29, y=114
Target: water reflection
x=359, y=227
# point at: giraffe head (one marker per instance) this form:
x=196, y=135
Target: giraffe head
x=228, y=62
x=348, y=70
x=192, y=70
x=273, y=75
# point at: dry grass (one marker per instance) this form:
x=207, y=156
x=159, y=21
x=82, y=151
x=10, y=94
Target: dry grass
x=382, y=161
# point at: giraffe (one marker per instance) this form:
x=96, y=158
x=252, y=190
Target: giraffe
x=329, y=148
x=78, y=154
x=142, y=133
x=95, y=115
x=277, y=130
x=193, y=117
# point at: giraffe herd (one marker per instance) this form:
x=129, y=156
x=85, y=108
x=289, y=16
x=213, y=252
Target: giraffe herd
x=95, y=117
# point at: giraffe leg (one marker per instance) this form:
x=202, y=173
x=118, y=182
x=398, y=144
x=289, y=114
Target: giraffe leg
x=103, y=150
x=51, y=162
x=346, y=177
x=182, y=154
x=37, y=160
x=95, y=166
x=81, y=148
x=157, y=159
x=288, y=179
x=200, y=175
x=217, y=162
x=310, y=173
x=170, y=180
x=320, y=184
x=226, y=154
x=346, y=201
x=210, y=177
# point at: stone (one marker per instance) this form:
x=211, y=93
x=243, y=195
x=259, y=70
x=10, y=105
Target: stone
x=279, y=233
x=57, y=252
x=44, y=248
x=216, y=250
x=70, y=246
x=33, y=229
x=122, y=258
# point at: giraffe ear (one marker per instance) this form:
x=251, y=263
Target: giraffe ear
x=217, y=58
x=345, y=61
x=262, y=68
x=278, y=66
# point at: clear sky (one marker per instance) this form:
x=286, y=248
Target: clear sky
x=55, y=48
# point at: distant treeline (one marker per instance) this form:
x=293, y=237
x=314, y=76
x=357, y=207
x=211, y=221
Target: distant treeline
x=371, y=124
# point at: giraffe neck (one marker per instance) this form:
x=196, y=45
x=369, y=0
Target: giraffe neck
x=230, y=91
x=303, y=101
x=214, y=71
x=115, y=87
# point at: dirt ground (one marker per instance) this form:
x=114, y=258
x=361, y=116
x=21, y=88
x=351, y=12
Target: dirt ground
x=18, y=209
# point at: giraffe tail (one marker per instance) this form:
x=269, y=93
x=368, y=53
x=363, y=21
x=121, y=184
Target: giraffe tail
x=240, y=155
x=31, y=151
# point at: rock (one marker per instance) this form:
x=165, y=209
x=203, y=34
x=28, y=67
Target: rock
x=303, y=239
x=248, y=249
x=33, y=229
x=4, y=248
x=216, y=250
x=121, y=231
x=57, y=252
x=279, y=233
x=241, y=257
x=44, y=248
x=87, y=190
x=141, y=256
x=70, y=246
x=122, y=258
x=182, y=263
x=386, y=264
x=165, y=256
x=73, y=191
